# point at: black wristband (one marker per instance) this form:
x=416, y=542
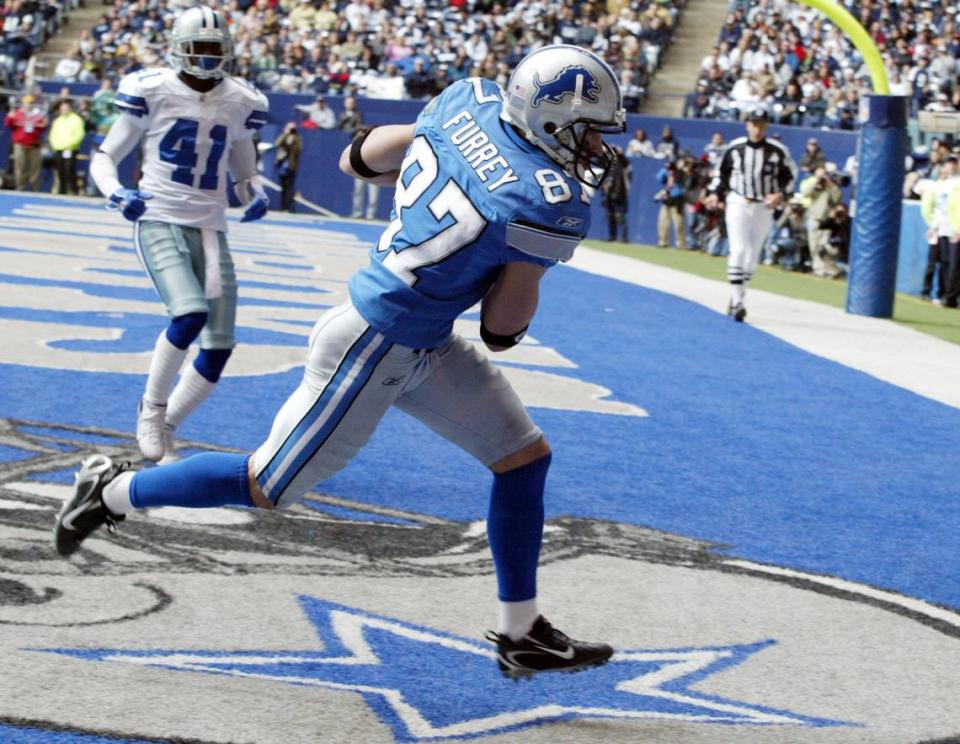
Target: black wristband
x=495, y=339
x=356, y=160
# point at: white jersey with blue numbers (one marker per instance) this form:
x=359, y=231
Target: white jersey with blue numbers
x=472, y=196
x=187, y=140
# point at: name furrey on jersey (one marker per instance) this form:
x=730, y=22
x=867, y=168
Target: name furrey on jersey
x=187, y=139
x=472, y=196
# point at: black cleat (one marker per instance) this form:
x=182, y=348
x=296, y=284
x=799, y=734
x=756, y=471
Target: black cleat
x=546, y=649
x=84, y=512
x=737, y=311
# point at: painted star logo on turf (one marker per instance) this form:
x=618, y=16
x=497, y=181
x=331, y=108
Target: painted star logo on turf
x=427, y=684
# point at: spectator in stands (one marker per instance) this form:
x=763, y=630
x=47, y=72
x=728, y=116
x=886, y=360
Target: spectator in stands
x=288, y=146
x=616, y=197
x=640, y=146
x=419, y=82
x=787, y=108
x=631, y=90
x=713, y=150
x=27, y=125
x=813, y=156
x=820, y=195
x=323, y=46
x=940, y=208
x=671, y=198
x=319, y=115
x=920, y=80
x=745, y=93
x=941, y=104
x=698, y=105
x=350, y=118
x=668, y=148
x=68, y=68
x=66, y=135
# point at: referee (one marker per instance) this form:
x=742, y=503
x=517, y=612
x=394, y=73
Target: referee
x=754, y=178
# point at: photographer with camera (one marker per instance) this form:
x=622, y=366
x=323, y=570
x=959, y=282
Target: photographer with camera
x=820, y=195
x=671, y=198
x=288, y=146
x=788, y=241
x=836, y=227
x=616, y=196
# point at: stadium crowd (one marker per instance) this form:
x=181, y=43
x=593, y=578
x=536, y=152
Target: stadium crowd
x=805, y=70
x=26, y=25
x=382, y=49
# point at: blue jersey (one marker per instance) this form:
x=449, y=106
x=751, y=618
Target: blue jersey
x=472, y=196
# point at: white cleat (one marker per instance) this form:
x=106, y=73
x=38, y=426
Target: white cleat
x=169, y=445
x=150, y=429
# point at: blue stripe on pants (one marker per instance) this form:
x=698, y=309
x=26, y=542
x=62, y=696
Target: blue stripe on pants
x=355, y=350
x=320, y=438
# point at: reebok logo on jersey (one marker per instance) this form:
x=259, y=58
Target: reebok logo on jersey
x=392, y=381
x=567, y=83
x=571, y=222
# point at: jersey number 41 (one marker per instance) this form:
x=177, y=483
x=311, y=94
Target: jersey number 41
x=179, y=148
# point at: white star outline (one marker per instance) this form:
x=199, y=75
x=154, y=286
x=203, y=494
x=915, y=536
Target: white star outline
x=349, y=626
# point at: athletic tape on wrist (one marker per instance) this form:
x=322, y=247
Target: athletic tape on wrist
x=356, y=159
x=495, y=339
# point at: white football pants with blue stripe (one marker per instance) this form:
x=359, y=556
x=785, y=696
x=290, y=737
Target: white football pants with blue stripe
x=352, y=377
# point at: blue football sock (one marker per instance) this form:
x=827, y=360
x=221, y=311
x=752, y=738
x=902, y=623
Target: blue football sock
x=515, y=528
x=201, y=481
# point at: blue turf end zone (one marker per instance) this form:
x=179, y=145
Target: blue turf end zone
x=750, y=442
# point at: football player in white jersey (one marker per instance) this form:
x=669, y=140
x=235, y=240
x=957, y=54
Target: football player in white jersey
x=195, y=123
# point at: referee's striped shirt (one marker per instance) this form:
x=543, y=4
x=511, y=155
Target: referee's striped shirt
x=754, y=170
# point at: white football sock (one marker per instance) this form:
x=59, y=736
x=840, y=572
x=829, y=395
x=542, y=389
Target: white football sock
x=516, y=618
x=739, y=290
x=164, y=366
x=189, y=393
x=116, y=494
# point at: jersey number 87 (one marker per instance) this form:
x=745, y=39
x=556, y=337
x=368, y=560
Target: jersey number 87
x=444, y=238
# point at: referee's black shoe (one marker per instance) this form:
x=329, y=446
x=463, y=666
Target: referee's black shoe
x=546, y=649
x=737, y=311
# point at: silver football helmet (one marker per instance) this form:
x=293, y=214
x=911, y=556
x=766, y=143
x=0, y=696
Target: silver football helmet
x=556, y=97
x=201, y=45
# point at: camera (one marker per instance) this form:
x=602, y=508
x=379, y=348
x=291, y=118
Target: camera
x=840, y=179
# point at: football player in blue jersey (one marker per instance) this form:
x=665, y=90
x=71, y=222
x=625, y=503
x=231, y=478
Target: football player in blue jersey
x=195, y=122
x=493, y=188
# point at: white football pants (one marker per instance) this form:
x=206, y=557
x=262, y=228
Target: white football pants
x=354, y=375
x=748, y=224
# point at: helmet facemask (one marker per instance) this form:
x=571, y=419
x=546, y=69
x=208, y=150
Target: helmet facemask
x=588, y=166
x=204, y=58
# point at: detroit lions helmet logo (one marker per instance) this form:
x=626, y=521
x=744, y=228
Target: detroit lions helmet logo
x=565, y=83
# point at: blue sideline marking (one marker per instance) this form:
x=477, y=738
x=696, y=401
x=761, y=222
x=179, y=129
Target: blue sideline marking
x=12, y=454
